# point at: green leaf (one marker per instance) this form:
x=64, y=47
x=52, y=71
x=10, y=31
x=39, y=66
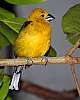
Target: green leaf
x=3, y=41
x=5, y=87
x=8, y=97
x=71, y=24
x=8, y=33
x=51, y=52
x=14, y=23
x=5, y=14
x=9, y=29
x=1, y=75
x=1, y=83
x=25, y=1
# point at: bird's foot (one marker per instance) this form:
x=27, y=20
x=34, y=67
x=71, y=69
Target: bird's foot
x=29, y=63
x=45, y=60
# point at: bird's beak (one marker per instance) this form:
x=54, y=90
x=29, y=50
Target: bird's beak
x=50, y=17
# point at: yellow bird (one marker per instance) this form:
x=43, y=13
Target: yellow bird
x=34, y=37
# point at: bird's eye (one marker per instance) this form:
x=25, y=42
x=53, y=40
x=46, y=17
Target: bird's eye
x=42, y=15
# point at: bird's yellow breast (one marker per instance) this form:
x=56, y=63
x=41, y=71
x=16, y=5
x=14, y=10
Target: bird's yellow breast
x=33, y=40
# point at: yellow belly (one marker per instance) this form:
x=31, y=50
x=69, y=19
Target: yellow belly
x=32, y=46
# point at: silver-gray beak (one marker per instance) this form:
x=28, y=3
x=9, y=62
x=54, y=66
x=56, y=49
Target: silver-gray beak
x=50, y=17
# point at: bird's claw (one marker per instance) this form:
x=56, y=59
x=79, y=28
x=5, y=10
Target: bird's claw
x=28, y=62
x=46, y=60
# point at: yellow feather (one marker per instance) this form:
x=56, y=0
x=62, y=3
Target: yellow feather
x=34, y=39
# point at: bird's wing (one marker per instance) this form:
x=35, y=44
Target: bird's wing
x=25, y=24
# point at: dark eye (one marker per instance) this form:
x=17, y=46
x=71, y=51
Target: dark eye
x=42, y=15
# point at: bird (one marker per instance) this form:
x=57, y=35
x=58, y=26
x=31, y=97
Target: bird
x=33, y=40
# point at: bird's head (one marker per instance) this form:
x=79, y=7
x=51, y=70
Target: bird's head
x=39, y=13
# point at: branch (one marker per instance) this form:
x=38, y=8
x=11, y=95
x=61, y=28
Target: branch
x=50, y=60
x=47, y=94
x=75, y=77
x=73, y=49
x=37, y=61
x=73, y=66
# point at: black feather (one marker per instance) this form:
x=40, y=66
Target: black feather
x=25, y=24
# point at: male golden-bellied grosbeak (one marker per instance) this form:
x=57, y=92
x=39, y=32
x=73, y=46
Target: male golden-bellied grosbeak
x=33, y=39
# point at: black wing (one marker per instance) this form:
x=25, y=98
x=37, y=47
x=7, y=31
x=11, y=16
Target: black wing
x=25, y=24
